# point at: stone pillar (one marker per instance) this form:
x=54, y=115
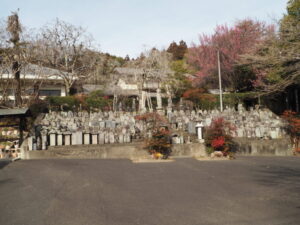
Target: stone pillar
x=44, y=142
x=101, y=138
x=67, y=139
x=127, y=138
x=30, y=143
x=59, y=139
x=94, y=139
x=121, y=138
x=199, y=128
x=86, y=138
x=52, y=139
x=133, y=105
x=158, y=99
x=78, y=137
x=170, y=103
x=142, y=103
x=106, y=138
x=74, y=142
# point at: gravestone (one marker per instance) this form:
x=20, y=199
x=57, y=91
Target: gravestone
x=30, y=143
x=94, y=139
x=52, y=139
x=78, y=137
x=59, y=139
x=106, y=137
x=67, y=137
x=86, y=138
x=111, y=138
x=101, y=138
x=44, y=141
x=121, y=138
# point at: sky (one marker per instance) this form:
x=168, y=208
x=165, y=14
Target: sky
x=122, y=27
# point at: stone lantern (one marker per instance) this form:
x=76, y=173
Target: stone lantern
x=199, y=130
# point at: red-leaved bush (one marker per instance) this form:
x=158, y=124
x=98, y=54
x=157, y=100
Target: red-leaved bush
x=218, y=142
x=160, y=141
x=293, y=128
x=218, y=137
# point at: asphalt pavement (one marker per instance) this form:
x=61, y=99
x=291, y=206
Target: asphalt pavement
x=248, y=190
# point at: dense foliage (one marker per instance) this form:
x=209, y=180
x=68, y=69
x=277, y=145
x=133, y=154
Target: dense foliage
x=231, y=42
x=218, y=137
x=159, y=142
x=293, y=128
x=178, y=51
x=96, y=100
x=203, y=100
x=276, y=61
x=92, y=102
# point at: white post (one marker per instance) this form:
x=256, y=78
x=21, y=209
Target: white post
x=52, y=139
x=199, y=127
x=67, y=138
x=30, y=144
x=220, y=83
x=44, y=142
x=86, y=138
x=158, y=99
x=79, y=137
x=59, y=139
x=94, y=139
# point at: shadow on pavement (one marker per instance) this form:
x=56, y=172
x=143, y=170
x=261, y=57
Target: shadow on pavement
x=271, y=176
x=4, y=163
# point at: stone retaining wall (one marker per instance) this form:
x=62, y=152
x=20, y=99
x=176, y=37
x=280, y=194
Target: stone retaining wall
x=260, y=147
x=246, y=147
x=112, y=151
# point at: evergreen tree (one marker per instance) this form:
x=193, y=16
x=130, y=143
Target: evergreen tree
x=178, y=51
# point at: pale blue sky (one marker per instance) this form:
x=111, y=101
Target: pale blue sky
x=123, y=27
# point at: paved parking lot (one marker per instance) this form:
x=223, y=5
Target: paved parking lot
x=248, y=190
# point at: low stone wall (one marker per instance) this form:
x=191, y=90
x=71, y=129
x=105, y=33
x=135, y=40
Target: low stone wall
x=111, y=151
x=245, y=146
x=260, y=147
x=189, y=150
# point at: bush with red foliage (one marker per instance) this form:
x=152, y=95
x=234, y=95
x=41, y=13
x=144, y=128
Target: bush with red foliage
x=293, y=128
x=218, y=142
x=198, y=96
x=218, y=137
x=160, y=141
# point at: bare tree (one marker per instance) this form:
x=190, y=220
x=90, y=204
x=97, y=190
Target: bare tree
x=29, y=76
x=67, y=48
x=156, y=67
x=14, y=29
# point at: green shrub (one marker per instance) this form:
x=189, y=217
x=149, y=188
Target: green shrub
x=96, y=100
x=37, y=107
x=62, y=103
x=212, y=101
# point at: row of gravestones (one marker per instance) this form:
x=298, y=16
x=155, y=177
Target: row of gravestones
x=64, y=128
x=76, y=138
x=252, y=124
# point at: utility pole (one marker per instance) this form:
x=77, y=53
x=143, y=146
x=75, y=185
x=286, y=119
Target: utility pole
x=220, y=82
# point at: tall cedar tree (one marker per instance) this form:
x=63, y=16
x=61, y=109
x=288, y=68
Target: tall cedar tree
x=14, y=29
x=178, y=51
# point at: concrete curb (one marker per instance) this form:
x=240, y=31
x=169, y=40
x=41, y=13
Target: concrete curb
x=152, y=160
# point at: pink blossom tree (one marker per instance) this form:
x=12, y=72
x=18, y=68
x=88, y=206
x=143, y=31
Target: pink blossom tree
x=232, y=42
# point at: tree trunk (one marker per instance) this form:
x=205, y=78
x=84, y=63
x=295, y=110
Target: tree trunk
x=16, y=71
x=67, y=88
